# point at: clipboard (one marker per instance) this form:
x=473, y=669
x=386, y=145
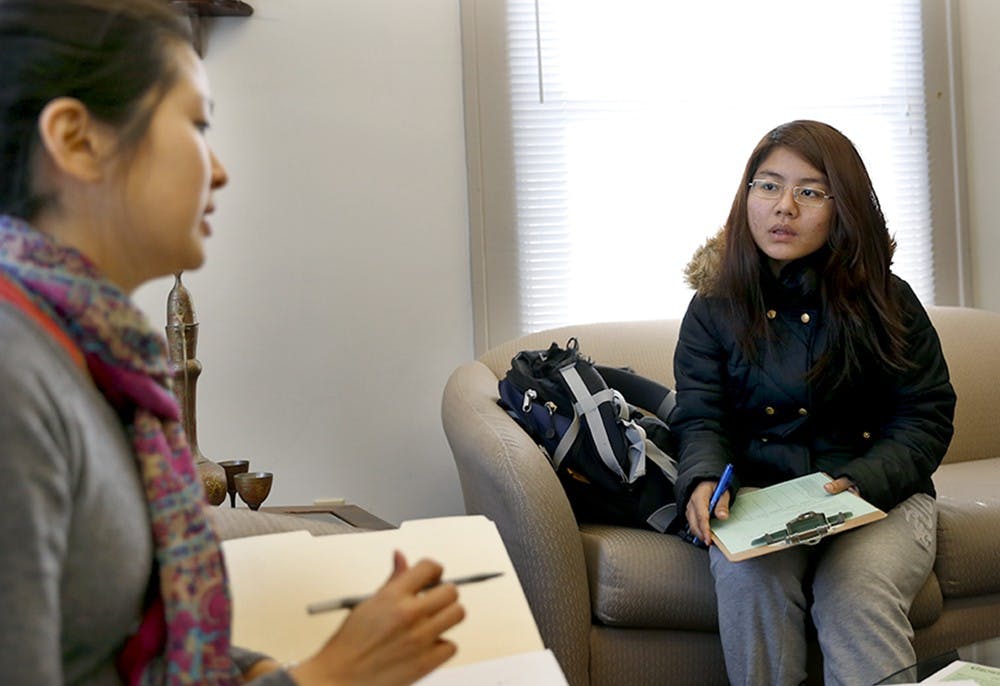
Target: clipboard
x=794, y=512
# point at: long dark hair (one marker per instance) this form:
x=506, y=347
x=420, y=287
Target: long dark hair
x=862, y=315
x=108, y=54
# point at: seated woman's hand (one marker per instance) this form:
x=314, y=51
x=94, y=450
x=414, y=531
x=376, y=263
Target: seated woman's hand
x=394, y=638
x=841, y=484
x=697, y=513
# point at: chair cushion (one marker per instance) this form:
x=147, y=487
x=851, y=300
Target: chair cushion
x=928, y=604
x=968, y=557
x=641, y=578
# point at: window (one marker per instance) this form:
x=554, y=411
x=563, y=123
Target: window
x=629, y=122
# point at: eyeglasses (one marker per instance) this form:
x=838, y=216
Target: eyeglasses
x=803, y=195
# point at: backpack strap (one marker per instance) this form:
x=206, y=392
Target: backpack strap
x=652, y=396
x=641, y=391
x=16, y=297
x=587, y=405
x=667, y=464
x=566, y=442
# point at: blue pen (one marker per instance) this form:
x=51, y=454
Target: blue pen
x=723, y=484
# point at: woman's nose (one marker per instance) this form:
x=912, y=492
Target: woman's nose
x=219, y=176
x=786, y=201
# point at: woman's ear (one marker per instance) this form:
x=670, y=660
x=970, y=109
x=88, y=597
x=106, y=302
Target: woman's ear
x=77, y=145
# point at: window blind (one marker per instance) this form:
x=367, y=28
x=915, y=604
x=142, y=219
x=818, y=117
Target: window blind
x=632, y=121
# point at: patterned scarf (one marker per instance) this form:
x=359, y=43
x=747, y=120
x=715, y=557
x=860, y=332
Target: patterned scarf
x=184, y=634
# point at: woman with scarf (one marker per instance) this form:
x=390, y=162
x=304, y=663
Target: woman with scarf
x=110, y=571
x=801, y=352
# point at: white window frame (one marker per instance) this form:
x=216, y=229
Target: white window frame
x=489, y=144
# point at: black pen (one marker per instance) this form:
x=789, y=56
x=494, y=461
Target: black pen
x=352, y=601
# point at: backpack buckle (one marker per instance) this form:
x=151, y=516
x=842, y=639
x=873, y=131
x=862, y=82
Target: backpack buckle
x=529, y=396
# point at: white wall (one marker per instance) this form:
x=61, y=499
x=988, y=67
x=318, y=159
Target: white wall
x=979, y=24
x=336, y=296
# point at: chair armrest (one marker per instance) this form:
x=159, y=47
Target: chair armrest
x=507, y=478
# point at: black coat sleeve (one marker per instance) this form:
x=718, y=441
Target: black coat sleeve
x=913, y=440
x=701, y=418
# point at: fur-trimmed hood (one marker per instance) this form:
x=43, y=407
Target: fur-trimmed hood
x=801, y=276
x=703, y=268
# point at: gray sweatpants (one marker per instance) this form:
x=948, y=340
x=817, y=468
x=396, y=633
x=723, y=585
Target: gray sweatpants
x=859, y=584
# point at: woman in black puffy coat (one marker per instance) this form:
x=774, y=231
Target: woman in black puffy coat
x=801, y=352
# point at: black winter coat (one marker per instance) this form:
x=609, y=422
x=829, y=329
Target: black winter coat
x=887, y=433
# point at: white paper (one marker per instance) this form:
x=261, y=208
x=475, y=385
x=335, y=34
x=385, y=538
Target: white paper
x=538, y=668
x=274, y=577
x=965, y=673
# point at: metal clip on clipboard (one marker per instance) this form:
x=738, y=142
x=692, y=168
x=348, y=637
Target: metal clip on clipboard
x=807, y=528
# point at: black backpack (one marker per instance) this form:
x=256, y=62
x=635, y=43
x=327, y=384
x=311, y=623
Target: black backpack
x=615, y=463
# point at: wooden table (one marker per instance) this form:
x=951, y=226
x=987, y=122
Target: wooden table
x=348, y=513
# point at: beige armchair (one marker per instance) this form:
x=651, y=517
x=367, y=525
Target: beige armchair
x=626, y=606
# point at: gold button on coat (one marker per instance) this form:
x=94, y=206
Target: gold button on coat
x=768, y=410
x=865, y=435
x=771, y=314
x=803, y=411
x=805, y=317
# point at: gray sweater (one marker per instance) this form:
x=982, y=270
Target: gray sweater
x=75, y=541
